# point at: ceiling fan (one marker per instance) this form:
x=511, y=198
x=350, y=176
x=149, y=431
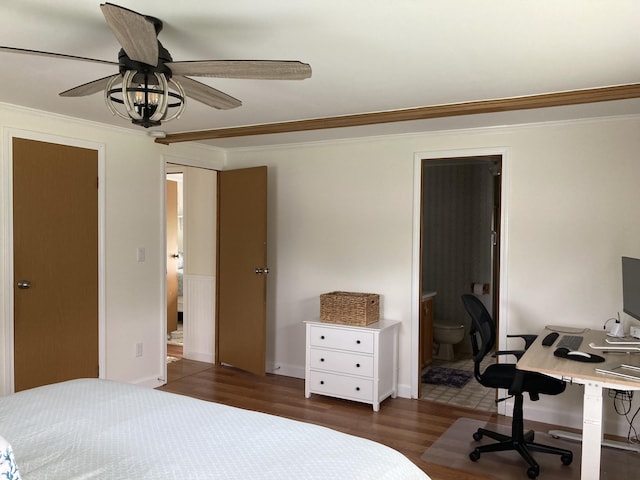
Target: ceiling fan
x=152, y=86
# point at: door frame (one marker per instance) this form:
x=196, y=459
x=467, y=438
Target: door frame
x=7, y=376
x=416, y=268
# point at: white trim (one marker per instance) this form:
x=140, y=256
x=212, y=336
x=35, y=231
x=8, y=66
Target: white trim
x=415, y=273
x=7, y=273
x=163, y=265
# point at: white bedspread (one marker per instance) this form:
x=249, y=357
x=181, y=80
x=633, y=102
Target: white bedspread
x=89, y=429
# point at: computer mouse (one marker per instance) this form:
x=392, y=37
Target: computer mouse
x=577, y=356
x=577, y=353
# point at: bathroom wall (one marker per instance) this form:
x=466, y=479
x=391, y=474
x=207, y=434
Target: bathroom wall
x=457, y=224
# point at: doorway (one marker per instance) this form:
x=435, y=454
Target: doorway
x=214, y=201
x=196, y=261
x=459, y=252
x=175, y=263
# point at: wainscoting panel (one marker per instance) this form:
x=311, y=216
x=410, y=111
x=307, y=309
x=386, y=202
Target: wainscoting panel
x=199, y=317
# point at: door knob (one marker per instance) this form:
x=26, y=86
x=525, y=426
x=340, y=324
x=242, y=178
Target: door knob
x=24, y=284
x=260, y=271
x=175, y=255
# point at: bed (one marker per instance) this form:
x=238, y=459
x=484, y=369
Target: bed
x=90, y=428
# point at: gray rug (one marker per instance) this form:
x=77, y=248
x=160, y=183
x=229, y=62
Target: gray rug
x=450, y=377
x=453, y=447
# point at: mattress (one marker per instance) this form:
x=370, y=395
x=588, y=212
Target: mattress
x=90, y=428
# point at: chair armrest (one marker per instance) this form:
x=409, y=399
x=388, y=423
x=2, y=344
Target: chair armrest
x=528, y=339
x=517, y=353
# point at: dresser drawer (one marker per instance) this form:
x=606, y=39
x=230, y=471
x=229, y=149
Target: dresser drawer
x=352, y=340
x=341, y=362
x=341, y=386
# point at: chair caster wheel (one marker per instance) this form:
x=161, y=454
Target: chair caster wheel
x=477, y=436
x=566, y=459
x=533, y=472
x=474, y=456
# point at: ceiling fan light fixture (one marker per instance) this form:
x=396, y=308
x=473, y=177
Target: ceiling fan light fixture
x=145, y=98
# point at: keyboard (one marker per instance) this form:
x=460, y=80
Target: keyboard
x=572, y=342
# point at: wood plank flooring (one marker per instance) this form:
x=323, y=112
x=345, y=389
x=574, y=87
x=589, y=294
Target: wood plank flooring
x=409, y=426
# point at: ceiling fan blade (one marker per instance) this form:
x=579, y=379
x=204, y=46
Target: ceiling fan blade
x=136, y=33
x=53, y=55
x=248, y=69
x=88, y=88
x=207, y=95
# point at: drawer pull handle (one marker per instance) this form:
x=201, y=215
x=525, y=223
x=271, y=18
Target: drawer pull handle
x=321, y=382
x=322, y=359
x=358, y=342
x=357, y=389
x=357, y=365
x=321, y=337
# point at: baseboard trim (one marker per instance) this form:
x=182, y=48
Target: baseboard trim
x=198, y=356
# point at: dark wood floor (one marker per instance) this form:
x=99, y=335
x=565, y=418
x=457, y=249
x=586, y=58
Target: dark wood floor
x=174, y=351
x=409, y=426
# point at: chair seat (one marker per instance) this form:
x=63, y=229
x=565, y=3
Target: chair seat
x=501, y=375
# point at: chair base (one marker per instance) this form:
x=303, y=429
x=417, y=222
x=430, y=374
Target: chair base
x=524, y=446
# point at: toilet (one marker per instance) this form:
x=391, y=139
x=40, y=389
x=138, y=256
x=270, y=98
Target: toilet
x=446, y=336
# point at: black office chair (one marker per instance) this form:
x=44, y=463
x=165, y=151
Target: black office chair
x=517, y=382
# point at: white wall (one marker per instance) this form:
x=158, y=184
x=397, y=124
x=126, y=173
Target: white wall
x=341, y=218
x=134, y=218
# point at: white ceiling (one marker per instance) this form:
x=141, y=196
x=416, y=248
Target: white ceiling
x=366, y=56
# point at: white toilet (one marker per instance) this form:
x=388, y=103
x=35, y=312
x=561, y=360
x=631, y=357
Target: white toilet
x=445, y=337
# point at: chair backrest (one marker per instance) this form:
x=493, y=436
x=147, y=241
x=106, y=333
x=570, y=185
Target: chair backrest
x=482, y=330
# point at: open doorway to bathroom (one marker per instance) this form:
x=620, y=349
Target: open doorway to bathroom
x=175, y=263
x=460, y=253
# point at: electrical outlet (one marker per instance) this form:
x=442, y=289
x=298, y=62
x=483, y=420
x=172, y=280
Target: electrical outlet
x=634, y=331
x=139, y=349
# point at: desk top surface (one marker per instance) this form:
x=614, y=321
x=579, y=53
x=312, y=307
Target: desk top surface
x=539, y=358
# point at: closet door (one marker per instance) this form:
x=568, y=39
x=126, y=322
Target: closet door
x=55, y=244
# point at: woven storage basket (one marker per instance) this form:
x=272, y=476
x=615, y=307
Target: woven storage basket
x=350, y=308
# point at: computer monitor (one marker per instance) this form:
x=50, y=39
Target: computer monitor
x=631, y=286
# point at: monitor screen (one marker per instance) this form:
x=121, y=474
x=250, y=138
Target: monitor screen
x=631, y=286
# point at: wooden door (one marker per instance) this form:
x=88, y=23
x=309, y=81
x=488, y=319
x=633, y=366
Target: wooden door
x=55, y=243
x=242, y=251
x=172, y=255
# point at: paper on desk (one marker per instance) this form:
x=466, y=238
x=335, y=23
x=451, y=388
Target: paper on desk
x=616, y=348
x=627, y=371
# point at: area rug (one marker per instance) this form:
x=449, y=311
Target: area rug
x=452, y=449
x=450, y=377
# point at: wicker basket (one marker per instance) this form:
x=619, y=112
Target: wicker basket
x=350, y=308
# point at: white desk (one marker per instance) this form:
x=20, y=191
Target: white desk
x=541, y=359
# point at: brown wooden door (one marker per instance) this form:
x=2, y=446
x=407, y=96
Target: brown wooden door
x=242, y=248
x=172, y=256
x=55, y=243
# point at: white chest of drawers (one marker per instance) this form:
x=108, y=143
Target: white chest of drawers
x=350, y=362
